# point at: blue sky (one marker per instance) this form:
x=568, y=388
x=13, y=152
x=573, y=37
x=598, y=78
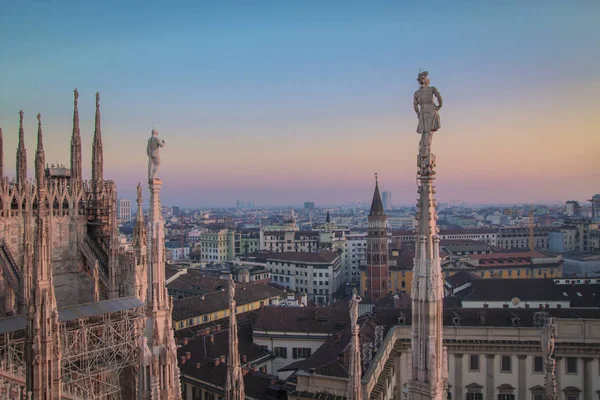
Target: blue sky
x=286, y=101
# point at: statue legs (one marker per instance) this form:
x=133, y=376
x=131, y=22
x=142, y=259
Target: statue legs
x=425, y=144
x=153, y=165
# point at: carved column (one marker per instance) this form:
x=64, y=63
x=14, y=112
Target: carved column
x=489, y=376
x=587, y=378
x=458, y=380
x=522, y=382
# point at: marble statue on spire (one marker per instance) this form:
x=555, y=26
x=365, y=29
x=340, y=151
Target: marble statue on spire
x=428, y=359
x=427, y=112
x=153, y=152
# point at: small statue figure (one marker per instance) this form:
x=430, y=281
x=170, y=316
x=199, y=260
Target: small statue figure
x=231, y=288
x=427, y=112
x=354, y=309
x=152, y=150
x=547, y=338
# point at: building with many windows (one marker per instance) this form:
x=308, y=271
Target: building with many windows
x=319, y=275
x=124, y=210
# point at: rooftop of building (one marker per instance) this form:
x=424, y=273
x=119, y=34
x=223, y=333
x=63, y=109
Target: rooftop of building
x=194, y=281
x=324, y=257
x=530, y=290
x=303, y=319
x=473, y=231
x=333, y=357
x=581, y=256
x=204, y=350
x=488, y=317
x=212, y=302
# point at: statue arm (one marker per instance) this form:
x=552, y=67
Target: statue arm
x=438, y=96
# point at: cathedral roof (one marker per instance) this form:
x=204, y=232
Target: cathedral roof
x=376, y=204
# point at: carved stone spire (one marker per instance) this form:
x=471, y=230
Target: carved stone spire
x=159, y=331
x=1, y=154
x=40, y=157
x=76, y=142
x=429, y=375
x=234, y=383
x=43, y=351
x=97, y=148
x=21, y=153
x=377, y=249
x=355, y=372
x=139, y=244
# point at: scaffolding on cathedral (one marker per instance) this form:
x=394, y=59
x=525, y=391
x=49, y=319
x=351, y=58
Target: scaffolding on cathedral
x=99, y=341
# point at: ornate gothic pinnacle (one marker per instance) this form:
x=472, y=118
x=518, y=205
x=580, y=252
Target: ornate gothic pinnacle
x=1, y=154
x=21, y=153
x=75, y=142
x=40, y=141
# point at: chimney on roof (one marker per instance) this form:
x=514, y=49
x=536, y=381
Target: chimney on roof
x=185, y=341
x=273, y=381
x=263, y=370
x=244, y=358
x=222, y=358
x=254, y=368
x=482, y=317
x=340, y=358
x=188, y=355
x=198, y=365
x=245, y=371
x=217, y=361
x=182, y=360
x=336, y=338
x=212, y=338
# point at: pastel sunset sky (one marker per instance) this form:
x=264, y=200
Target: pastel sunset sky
x=287, y=101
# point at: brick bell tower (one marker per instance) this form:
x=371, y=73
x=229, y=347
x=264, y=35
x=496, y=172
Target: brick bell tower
x=377, y=249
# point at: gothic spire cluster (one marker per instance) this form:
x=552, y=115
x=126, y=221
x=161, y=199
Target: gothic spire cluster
x=76, y=164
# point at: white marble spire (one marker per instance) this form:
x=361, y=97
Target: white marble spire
x=355, y=373
x=159, y=351
x=234, y=383
x=429, y=375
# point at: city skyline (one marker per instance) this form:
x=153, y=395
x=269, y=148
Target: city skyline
x=282, y=104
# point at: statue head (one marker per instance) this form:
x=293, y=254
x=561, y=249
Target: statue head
x=154, y=132
x=423, y=79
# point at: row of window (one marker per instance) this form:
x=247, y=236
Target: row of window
x=297, y=352
x=506, y=364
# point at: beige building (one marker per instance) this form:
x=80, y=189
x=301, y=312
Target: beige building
x=492, y=354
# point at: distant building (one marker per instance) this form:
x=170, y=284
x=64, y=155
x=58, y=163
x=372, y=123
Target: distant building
x=596, y=207
x=319, y=275
x=124, y=210
x=309, y=205
x=572, y=208
x=386, y=197
x=562, y=239
x=176, y=211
